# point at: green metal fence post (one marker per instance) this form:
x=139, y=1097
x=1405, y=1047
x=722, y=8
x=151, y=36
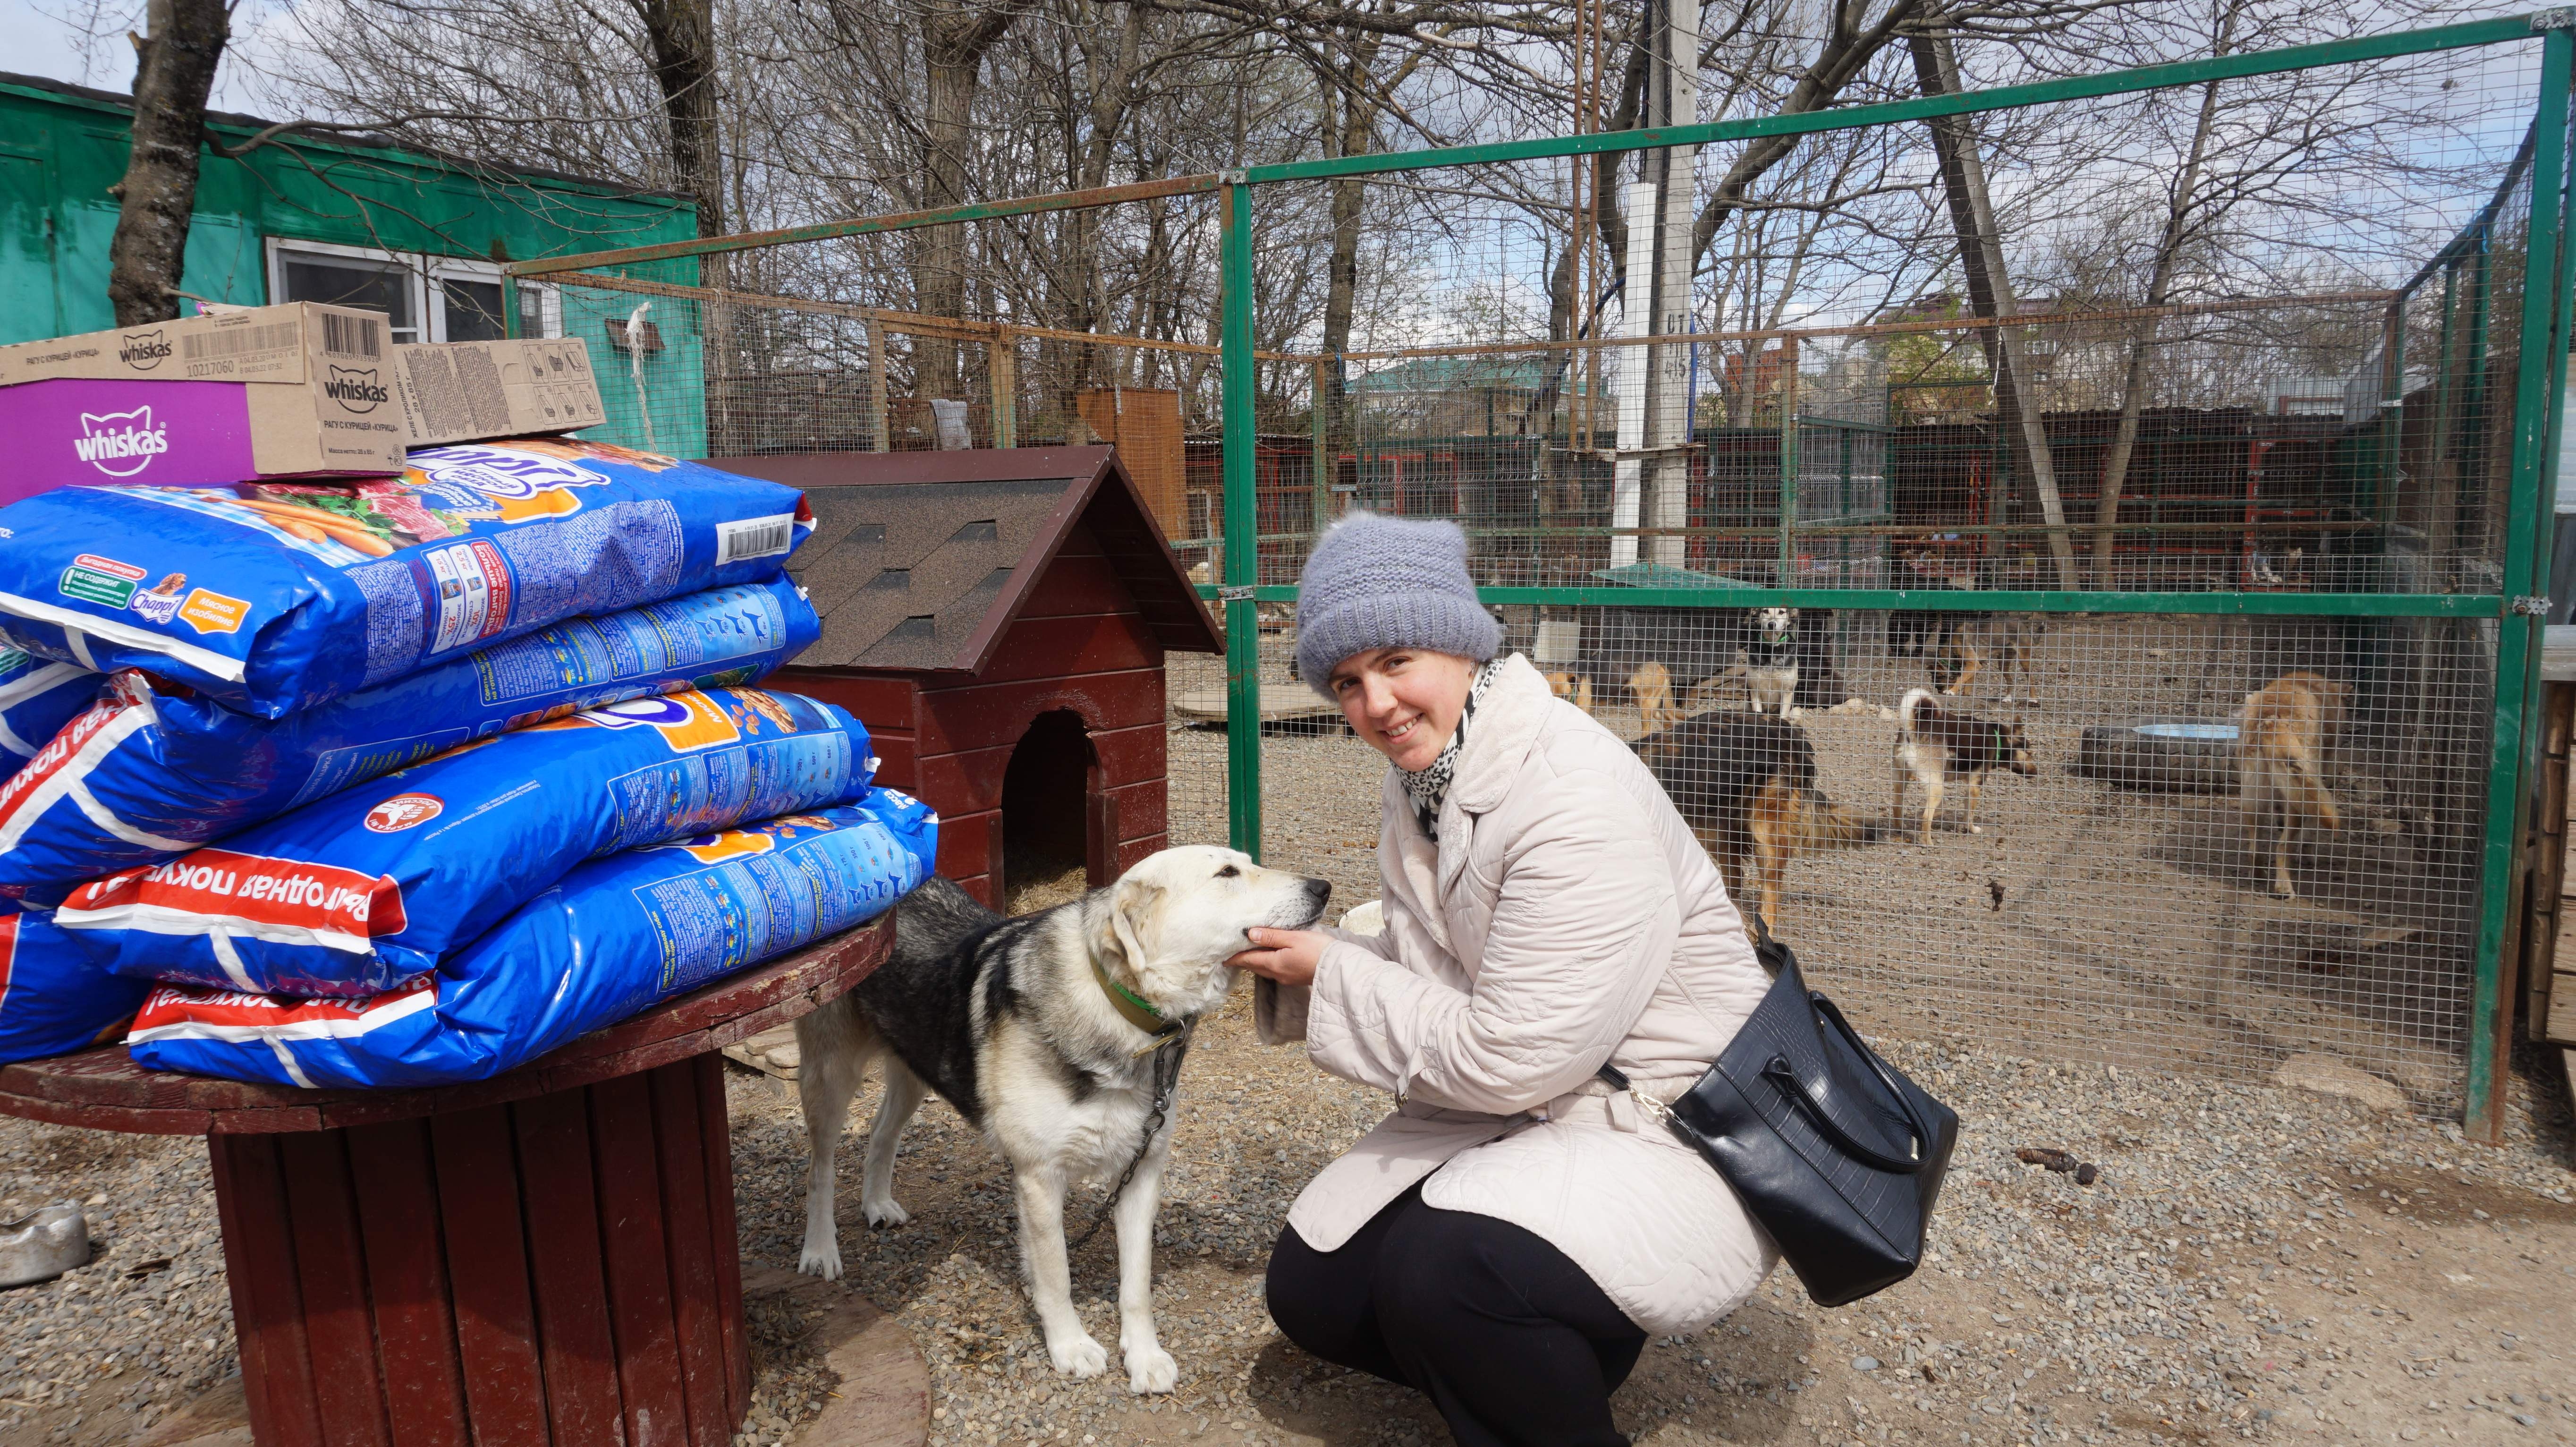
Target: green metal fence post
x=2535, y=398
x=1242, y=526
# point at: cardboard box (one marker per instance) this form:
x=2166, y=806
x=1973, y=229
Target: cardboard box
x=277, y=391
x=475, y=391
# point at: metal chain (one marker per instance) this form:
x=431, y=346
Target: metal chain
x=1167, y=1078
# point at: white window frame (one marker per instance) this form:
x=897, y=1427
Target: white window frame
x=423, y=268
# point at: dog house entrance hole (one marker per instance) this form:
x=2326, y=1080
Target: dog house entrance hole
x=1045, y=814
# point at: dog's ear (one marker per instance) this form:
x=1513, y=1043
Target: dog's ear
x=1129, y=899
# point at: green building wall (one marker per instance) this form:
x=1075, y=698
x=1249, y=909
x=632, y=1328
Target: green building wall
x=63, y=147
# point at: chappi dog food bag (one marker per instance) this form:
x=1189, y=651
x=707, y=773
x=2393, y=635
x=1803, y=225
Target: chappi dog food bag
x=149, y=773
x=52, y=999
x=615, y=937
x=357, y=893
x=37, y=697
x=274, y=596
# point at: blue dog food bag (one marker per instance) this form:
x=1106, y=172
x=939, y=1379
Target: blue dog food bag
x=150, y=773
x=616, y=936
x=357, y=893
x=274, y=596
x=52, y=999
x=37, y=697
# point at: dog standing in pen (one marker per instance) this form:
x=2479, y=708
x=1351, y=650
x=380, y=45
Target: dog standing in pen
x=1936, y=747
x=1771, y=661
x=1060, y=1035
x=2282, y=734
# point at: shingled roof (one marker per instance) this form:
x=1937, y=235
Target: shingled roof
x=919, y=561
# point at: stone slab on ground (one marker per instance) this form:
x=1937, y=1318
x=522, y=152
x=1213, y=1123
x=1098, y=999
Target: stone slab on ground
x=884, y=1397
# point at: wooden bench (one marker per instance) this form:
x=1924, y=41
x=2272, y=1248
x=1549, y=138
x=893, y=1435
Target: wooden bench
x=543, y=1259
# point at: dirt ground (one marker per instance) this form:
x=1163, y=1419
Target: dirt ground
x=2081, y=921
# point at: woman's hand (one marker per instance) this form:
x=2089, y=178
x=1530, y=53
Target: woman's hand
x=1288, y=956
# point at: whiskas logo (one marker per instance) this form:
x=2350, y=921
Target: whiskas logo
x=120, y=444
x=142, y=351
x=356, y=389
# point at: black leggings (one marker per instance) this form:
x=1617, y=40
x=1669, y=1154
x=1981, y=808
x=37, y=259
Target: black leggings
x=1509, y=1339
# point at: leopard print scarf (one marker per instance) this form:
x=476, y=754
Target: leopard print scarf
x=1428, y=785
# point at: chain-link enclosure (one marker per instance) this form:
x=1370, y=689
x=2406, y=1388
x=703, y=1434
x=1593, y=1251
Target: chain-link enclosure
x=2065, y=549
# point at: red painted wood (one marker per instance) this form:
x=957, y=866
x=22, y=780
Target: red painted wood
x=407, y=1287
x=562, y=1212
x=1077, y=585
x=897, y=756
x=679, y=1145
x=259, y=1267
x=104, y=1089
x=496, y=1319
x=977, y=886
x=1132, y=852
x=727, y=1245
x=990, y=715
x=1130, y=755
x=331, y=1275
x=1143, y=810
x=880, y=700
x=964, y=781
x=969, y=844
x=1058, y=647
x=638, y=1264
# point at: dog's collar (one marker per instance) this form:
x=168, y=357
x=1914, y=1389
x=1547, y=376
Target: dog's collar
x=1133, y=1008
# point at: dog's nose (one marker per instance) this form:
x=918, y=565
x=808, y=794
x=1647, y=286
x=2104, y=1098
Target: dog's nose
x=1319, y=890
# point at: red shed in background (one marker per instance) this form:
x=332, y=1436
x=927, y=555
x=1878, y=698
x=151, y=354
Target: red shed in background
x=998, y=619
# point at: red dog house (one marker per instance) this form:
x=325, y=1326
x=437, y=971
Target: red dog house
x=998, y=619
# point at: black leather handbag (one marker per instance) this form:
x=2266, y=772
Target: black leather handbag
x=1834, y=1151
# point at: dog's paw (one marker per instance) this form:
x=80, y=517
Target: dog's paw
x=1151, y=1369
x=1078, y=1355
x=884, y=1213
x=821, y=1259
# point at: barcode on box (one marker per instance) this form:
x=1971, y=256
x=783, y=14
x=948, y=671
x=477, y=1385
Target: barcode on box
x=352, y=336
x=755, y=538
x=232, y=342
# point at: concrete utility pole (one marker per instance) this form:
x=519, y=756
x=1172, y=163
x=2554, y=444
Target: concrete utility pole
x=1652, y=474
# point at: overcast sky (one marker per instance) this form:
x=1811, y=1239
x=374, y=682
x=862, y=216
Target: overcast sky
x=35, y=40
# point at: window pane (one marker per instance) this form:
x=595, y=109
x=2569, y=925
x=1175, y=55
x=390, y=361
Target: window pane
x=337, y=281
x=473, y=310
x=532, y=312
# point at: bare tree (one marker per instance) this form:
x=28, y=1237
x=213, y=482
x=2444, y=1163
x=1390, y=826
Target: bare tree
x=174, y=75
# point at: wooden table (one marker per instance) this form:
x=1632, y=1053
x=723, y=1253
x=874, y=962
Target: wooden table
x=543, y=1259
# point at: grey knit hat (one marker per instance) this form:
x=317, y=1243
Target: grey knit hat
x=1382, y=582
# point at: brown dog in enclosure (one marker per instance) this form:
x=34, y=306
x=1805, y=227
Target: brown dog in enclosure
x=1746, y=784
x=2282, y=735
x=1966, y=646
x=1936, y=747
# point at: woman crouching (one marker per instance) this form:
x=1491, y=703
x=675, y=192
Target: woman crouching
x=1507, y=1240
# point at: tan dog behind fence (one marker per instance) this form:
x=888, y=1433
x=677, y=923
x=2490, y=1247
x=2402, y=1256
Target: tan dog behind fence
x=2282, y=736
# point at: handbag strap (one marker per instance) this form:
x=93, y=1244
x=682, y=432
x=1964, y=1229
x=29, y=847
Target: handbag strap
x=1779, y=1071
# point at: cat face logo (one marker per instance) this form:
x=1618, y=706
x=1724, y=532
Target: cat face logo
x=356, y=389
x=142, y=351
x=120, y=444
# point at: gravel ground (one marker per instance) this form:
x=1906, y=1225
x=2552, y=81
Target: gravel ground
x=2251, y=1261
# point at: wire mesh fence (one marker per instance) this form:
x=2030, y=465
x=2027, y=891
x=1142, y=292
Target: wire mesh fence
x=2058, y=548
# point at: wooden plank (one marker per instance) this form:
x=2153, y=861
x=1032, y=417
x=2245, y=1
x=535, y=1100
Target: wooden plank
x=1131, y=756
x=993, y=715
x=679, y=1142
x=898, y=759
x=562, y=1209
x=1144, y=809
x=496, y=1320
x=331, y=1275
x=969, y=844
x=1058, y=647
x=718, y=1136
x=396, y=1188
x=1078, y=586
x=259, y=1268
x=880, y=700
x=1132, y=852
x=629, y=1175
x=1278, y=701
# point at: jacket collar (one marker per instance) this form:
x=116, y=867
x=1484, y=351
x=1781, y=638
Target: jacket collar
x=1507, y=723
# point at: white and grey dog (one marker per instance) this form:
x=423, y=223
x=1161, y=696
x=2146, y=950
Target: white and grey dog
x=1771, y=661
x=1045, y=1032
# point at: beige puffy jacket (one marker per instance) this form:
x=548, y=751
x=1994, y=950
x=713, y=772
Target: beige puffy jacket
x=1566, y=917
